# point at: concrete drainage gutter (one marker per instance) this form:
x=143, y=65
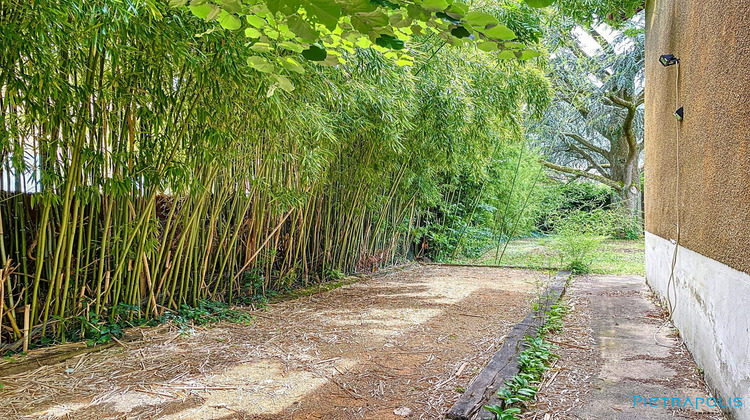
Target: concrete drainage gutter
x=504, y=363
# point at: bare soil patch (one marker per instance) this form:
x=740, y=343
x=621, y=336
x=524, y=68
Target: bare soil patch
x=406, y=342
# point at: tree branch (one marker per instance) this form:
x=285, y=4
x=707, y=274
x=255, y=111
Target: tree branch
x=578, y=172
x=587, y=144
x=593, y=164
x=620, y=101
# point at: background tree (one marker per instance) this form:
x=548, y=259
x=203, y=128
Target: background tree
x=595, y=123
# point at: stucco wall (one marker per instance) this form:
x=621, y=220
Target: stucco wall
x=712, y=40
x=711, y=289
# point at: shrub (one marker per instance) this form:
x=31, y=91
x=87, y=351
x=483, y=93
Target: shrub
x=578, y=235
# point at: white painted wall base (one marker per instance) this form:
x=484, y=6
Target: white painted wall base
x=712, y=312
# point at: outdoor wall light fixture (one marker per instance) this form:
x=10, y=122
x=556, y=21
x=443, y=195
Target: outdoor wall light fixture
x=668, y=60
x=679, y=114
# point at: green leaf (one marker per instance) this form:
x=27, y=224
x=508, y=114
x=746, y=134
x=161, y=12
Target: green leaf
x=292, y=65
x=326, y=12
x=487, y=46
x=291, y=46
x=261, y=47
x=480, y=20
x=387, y=41
x=288, y=7
x=448, y=18
x=284, y=83
x=506, y=54
x=214, y=13
x=366, y=22
x=460, y=32
x=261, y=64
x=177, y=3
x=230, y=22
x=499, y=32
x=385, y=4
x=256, y=21
x=539, y=3
x=252, y=33
x=514, y=45
x=231, y=6
x=527, y=54
x=355, y=6
x=434, y=5
x=459, y=8
x=315, y=53
x=302, y=28
x=202, y=10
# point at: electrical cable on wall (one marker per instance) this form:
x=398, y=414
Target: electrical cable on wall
x=668, y=60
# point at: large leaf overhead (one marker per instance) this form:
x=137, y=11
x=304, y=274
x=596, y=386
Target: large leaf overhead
x=319, y=28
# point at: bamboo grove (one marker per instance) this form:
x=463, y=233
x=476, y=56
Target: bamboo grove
x=145, y=166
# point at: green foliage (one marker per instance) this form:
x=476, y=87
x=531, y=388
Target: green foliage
x=326, y=29
x=333, y=274
x=533, y=361
x=577, y=237
x=209, y=312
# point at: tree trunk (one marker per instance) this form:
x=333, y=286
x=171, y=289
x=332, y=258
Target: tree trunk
x=631, y=188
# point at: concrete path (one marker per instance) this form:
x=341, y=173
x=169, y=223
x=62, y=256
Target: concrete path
x=620, y=360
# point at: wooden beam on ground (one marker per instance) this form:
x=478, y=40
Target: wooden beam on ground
x=519, y=267
x=504, y=363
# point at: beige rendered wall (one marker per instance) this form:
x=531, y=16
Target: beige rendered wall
x=712, y=40
x=711, y=287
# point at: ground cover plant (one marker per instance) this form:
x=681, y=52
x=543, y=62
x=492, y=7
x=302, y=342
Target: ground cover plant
x=533, y=361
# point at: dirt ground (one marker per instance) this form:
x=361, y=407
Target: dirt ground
x=402, y=344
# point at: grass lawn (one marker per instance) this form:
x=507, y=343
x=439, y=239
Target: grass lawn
x=614, y=257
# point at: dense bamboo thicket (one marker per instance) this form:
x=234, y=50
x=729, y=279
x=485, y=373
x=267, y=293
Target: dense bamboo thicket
x=144, y=167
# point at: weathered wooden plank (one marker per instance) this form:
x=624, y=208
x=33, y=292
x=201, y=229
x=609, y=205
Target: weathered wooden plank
x=504, y=363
